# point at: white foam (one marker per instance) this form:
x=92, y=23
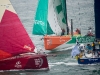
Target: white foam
x=65, y=49
x=69, y=63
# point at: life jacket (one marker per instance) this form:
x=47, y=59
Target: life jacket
x=76, y=57
x=99, y=42
x=93, y=44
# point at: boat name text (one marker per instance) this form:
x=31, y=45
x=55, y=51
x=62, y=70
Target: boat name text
x=85, y=39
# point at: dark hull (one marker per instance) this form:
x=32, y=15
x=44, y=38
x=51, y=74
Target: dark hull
x=89, y=61
x=25, y=62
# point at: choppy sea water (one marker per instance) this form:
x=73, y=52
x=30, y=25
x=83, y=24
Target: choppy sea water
x=82, y=13
x=62, y=64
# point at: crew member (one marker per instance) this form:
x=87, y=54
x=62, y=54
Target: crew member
x=93, y=46
x=63, y=32
x=78, y=31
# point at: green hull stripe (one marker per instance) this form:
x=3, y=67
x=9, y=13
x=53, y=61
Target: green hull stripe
x=81, y=39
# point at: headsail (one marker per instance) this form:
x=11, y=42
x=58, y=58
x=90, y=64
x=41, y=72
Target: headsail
x=40, y=22
x=11, y=41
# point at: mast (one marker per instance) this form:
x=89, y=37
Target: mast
x=71, y=27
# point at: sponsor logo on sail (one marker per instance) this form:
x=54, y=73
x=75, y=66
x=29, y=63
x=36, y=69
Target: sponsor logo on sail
x=27, y=47
x=39, y=22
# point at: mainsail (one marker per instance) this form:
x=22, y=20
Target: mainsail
x=50, y=17
x=13, y=37
x=61, y=15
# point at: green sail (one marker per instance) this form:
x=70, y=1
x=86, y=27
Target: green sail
x=64, y=11
x=49, y=30
x=62, y=7
x=59, y=8
x=40, y=22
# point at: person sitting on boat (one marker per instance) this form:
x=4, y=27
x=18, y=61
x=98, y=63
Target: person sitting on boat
x=79, y=56
x=89, y=48
x=78, y=31
x=63, y=32
x=98, y=53
x=99, y=44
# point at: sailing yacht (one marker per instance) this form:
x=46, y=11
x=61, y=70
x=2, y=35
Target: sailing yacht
x=16, y=47
x=94, y=58
x=50, y=19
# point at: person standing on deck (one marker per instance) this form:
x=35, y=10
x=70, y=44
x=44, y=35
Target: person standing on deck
x=98, y=51
x=63, y=32
x=89, y=33
x=89, y=48
x=78, y=31
x=93, y=46
x=99, y=44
